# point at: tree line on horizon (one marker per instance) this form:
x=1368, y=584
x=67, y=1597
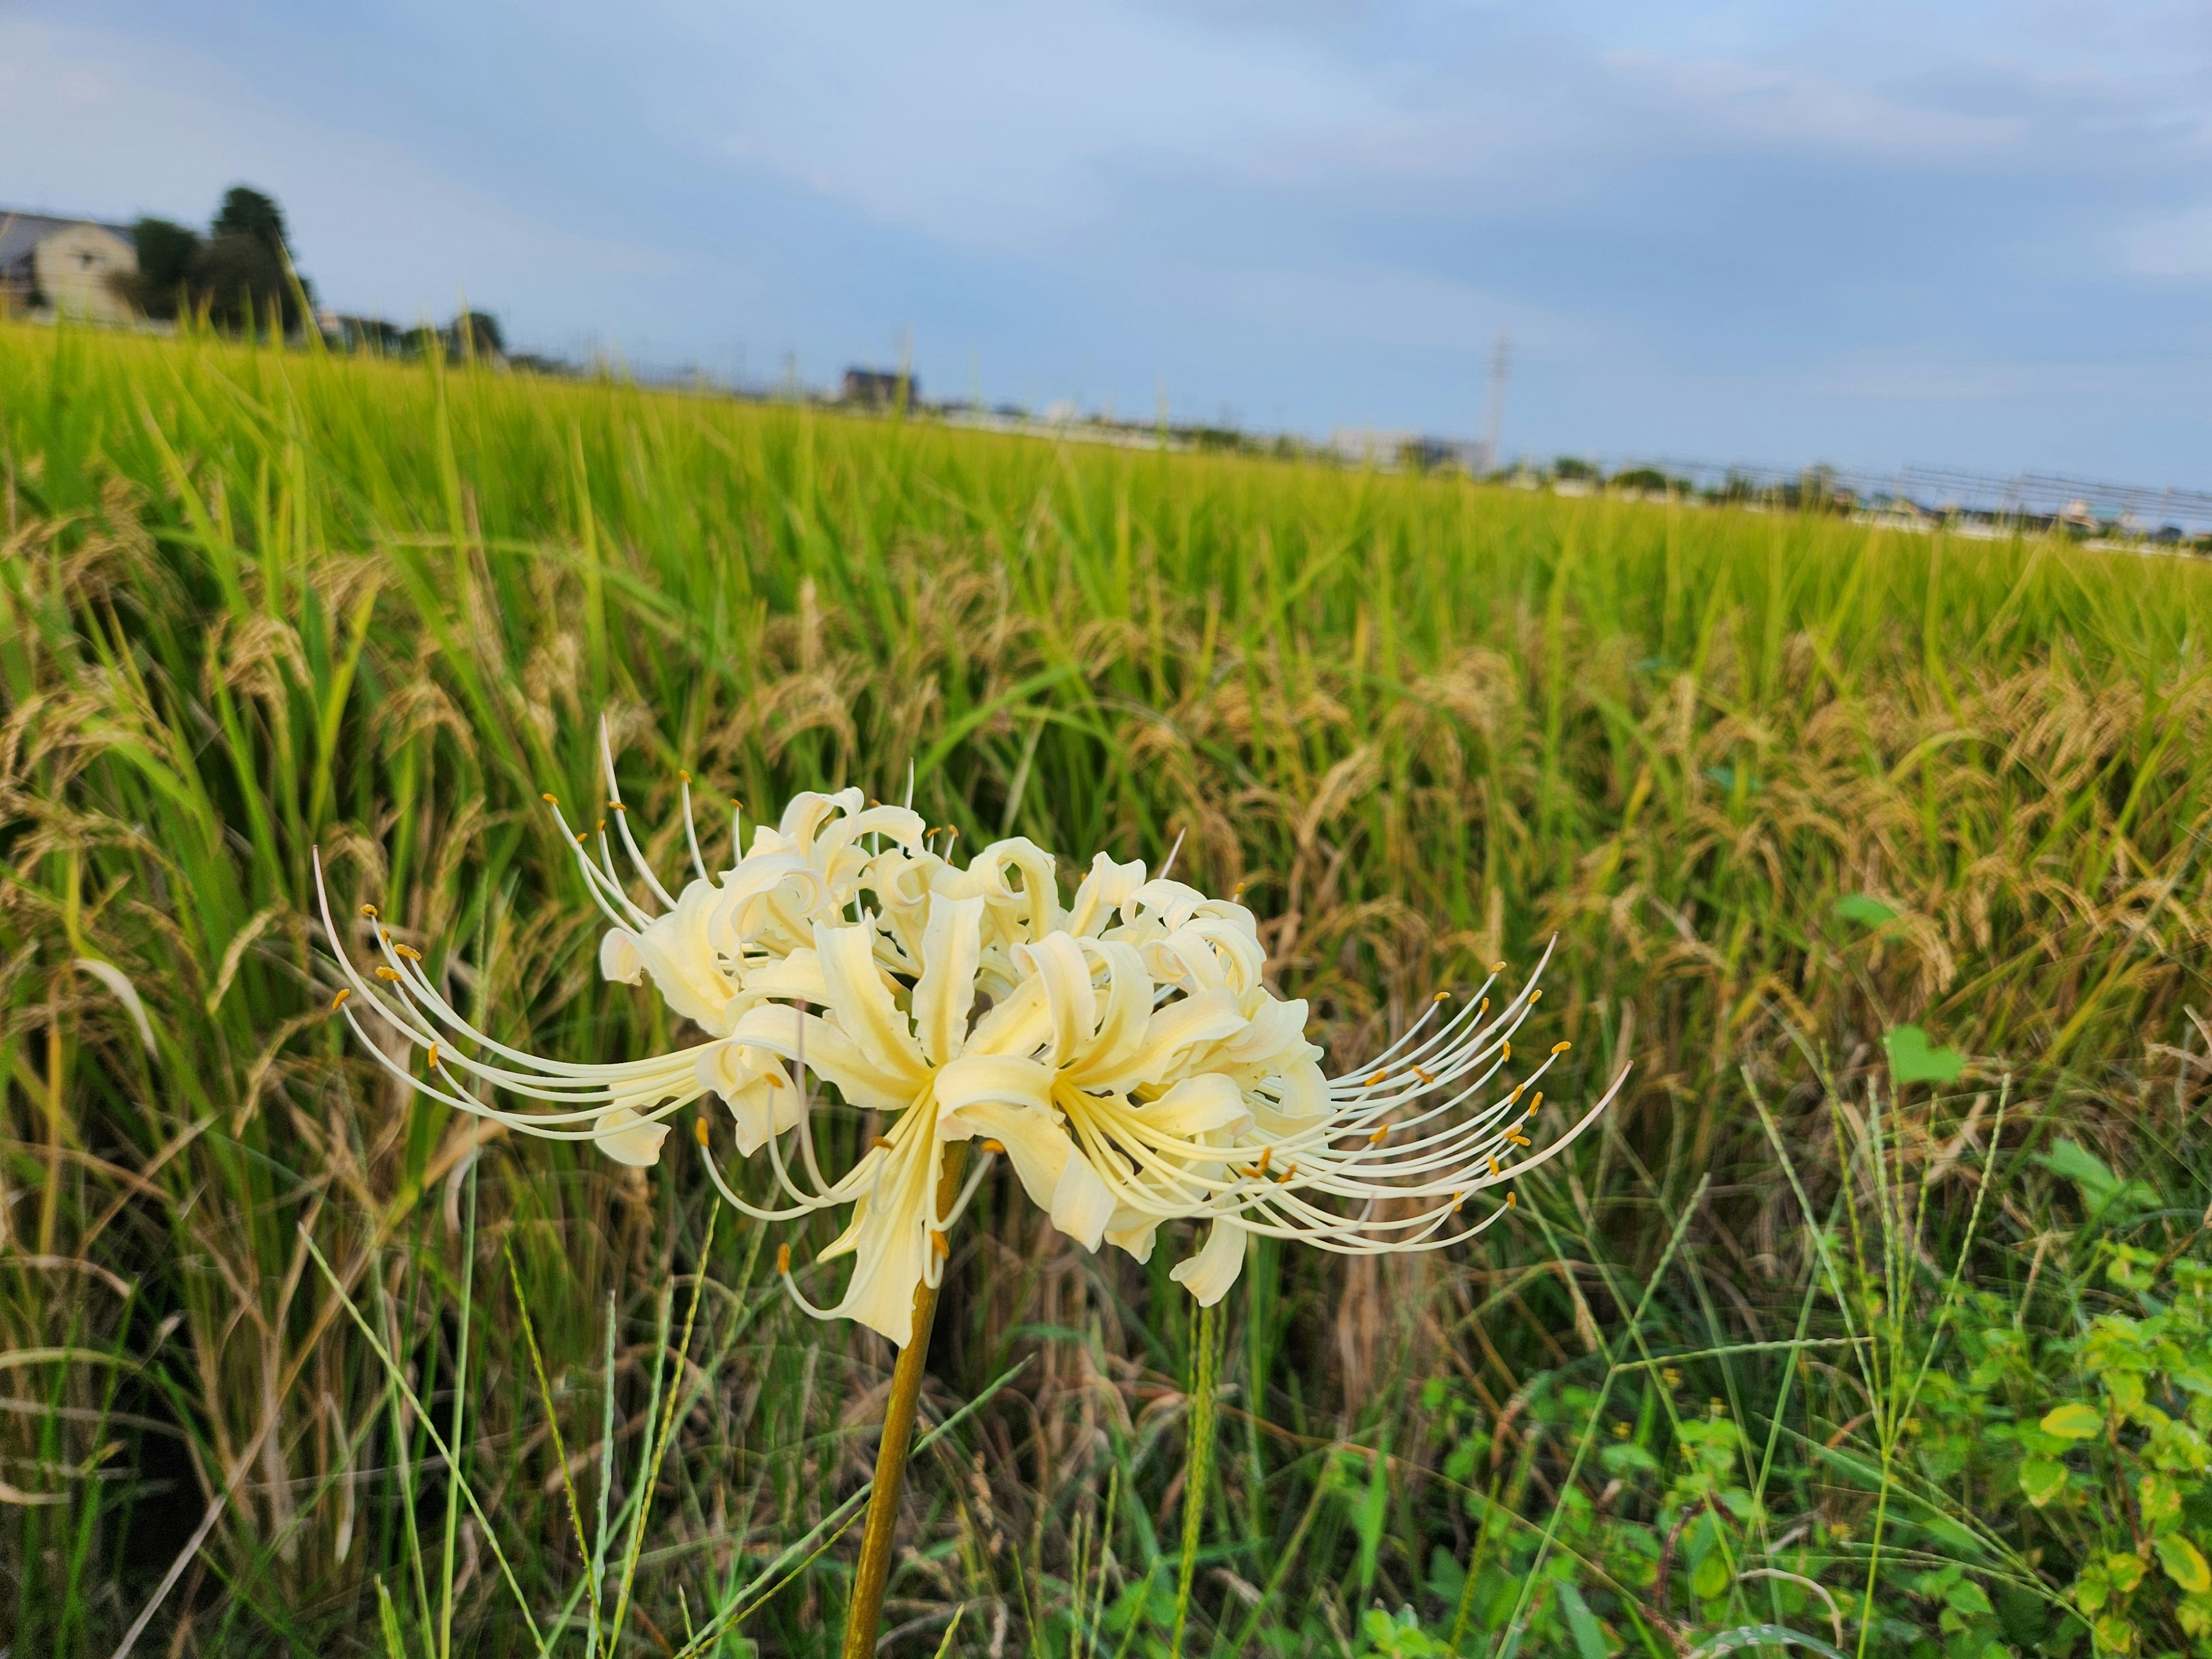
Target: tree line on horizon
x=238, y=272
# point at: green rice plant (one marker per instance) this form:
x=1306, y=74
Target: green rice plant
x=1783, y=786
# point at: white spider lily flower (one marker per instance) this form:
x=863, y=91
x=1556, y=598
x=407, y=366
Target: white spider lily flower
x=619, y=1108
x=1124, y=1054
x=722, y=945
x=908, y=1064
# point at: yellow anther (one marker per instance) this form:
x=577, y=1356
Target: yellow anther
x=432, y=1064
x=550, y=799
x=1510, y=1199
x=1288, y=1175
x=1494, y=1170
x=1376, y=1079
x=1535, y=1101
x=580, y=838
x=1514, y=1098
x=601, y=826
x=1519, y=1140
x=408, y=951
x=338, y=1001
x=993, y=1147
x=617, y=806
x=682, y=775
x=1536, y=996
x=883, y=1141
x=1441, y=996
x=370, y=910
x=1376, y=1138
x=778, y=1079
x=1504, y=1053
x=699, y=1131
x=936, y=1243
x=783, y=1258
x=1482, y=1008
x=1425, y=1075
x=1265, y=1154
x=1561, y=1048
x=1458, y=1200
x=392, y=973
x=1497, y=967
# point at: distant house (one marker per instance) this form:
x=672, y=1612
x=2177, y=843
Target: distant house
x=67, y=267
x=881, y=388
x=1470, y=457
x=1363, y=446
x=1387, y=451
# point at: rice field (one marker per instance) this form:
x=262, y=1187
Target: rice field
x=1872, y=1319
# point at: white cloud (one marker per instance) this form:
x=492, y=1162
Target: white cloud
x=1368, y=305
x=2172, y=245
x=991, y=124
x=1790, y=106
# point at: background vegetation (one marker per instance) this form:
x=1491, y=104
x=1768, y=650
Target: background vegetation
x=1872, y=1318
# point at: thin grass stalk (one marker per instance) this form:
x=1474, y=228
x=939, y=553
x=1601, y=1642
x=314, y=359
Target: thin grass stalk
x=1200, y=1469
x=1466, y=1608
x=864, y=1614
x=459, y=1419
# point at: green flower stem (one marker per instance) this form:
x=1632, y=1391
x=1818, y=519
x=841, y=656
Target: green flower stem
x=864, y=1614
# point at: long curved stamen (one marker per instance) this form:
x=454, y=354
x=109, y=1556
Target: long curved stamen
x=597, y=881
x=791, y=1286
x=691, y=827
x=622, y=819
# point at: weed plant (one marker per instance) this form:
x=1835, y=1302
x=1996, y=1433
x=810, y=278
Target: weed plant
x=1872, y=1320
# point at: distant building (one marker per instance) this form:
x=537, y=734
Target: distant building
x=1365, y=447
x=1470, y=456
x=67, y=267
x=880, y=388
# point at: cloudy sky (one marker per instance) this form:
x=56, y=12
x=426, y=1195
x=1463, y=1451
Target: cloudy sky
x=1866, y=233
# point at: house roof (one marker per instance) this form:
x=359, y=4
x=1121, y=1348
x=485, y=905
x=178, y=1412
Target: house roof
x=21, y=232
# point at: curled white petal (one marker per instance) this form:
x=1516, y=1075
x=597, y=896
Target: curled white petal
x=1209, y=1274
x=627, y=1138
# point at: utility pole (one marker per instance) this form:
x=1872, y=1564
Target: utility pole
x=1501, y=365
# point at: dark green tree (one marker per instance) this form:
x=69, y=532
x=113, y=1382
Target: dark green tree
x=248, y=212
x=166, y=253
x=238, y=279
x=476, y=334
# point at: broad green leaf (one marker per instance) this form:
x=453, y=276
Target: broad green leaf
x=1581, y=1624
x=1711, y=1577
x=2183, y=1562
x=2042, y=1479
x=2101, y=1188
x=2077, y=1164
x=1911, y=1061
x=2074, y=1421
x=2159, y=1501
x=1863, y=908
x=2114, y=1634
x=1967, y=1596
